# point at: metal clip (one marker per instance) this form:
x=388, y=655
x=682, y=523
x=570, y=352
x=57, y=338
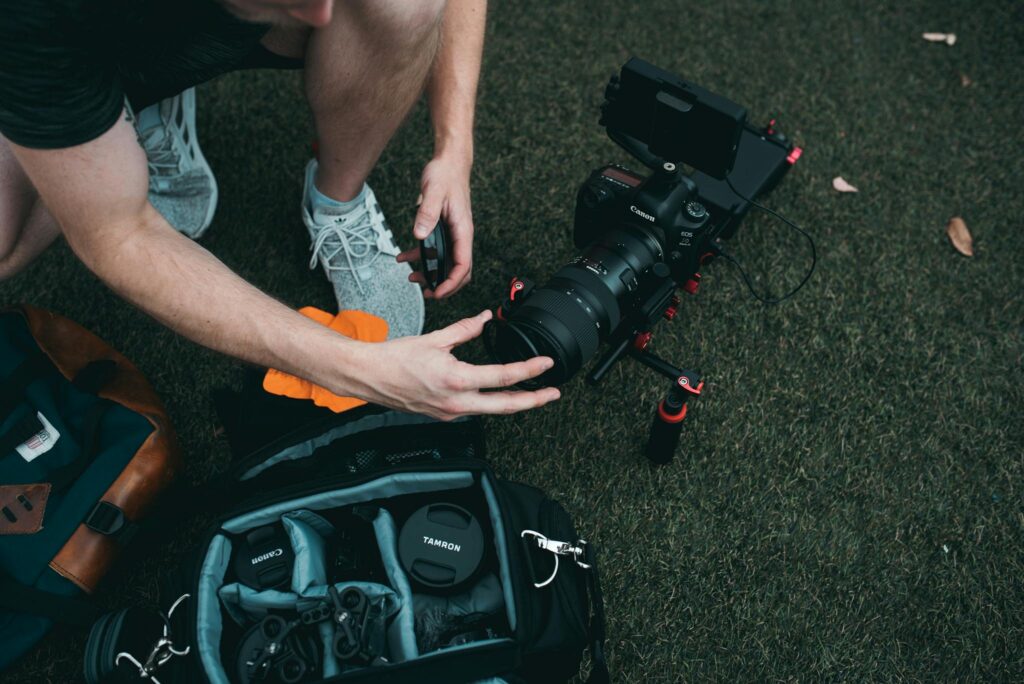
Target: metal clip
x=162, y=652
x=578, y=551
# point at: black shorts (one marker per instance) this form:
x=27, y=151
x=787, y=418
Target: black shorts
x=67, y=67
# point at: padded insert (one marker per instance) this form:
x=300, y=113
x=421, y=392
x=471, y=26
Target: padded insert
x=402, y=631
x=215, y=564
x=308, y=533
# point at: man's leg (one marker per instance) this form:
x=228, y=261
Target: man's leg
x=364, y=72
x=26, y=227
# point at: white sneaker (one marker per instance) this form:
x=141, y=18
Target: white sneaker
x=357, y=251
x=181, y=183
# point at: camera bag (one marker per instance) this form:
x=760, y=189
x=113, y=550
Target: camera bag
x=85, y=450
x=526, y=615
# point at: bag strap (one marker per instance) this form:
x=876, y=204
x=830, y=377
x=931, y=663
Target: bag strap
x=599, y=667
x=21, y=598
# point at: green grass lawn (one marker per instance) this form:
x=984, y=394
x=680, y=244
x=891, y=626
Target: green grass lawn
x=847, y=501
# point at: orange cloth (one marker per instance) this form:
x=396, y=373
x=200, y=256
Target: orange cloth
x=357, y=325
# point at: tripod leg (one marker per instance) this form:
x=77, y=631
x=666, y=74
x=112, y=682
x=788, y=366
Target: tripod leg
x=666, y=429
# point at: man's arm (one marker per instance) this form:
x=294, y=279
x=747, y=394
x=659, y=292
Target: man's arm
x=98, y=194
x=451, y=92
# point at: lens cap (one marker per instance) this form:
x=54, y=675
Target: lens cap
x=435, y=256
x=441, y=546
x=264, y=558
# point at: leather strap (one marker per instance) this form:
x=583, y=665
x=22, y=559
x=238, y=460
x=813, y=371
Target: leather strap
x=23, y=507
x=599, y=665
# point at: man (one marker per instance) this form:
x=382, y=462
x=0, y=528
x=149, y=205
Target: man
x=74, y=161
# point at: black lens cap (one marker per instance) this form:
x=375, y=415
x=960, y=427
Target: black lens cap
x=263, y=559
x=435, y=256
x=441, y=546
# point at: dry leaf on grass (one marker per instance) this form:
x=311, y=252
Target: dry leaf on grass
x=840, y=184
x=947, y=38
x=958, y=234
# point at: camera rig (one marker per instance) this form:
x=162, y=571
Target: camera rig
x=644, y=238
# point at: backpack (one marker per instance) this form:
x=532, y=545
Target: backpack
x=85, y=450
x=338, y=489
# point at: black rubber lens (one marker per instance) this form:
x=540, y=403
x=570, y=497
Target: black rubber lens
x=584, y=302
x=435, y=257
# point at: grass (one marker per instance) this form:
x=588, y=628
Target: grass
x=847, y=504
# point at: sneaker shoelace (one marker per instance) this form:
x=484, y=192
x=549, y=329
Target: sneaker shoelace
x=162, y=155
x=167, y=155
x=360, y=234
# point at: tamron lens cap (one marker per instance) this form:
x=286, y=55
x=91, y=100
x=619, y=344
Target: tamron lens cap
x=441, y=546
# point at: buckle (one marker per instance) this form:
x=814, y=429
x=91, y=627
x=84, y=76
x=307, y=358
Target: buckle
x=105, y=518
x=577, y=551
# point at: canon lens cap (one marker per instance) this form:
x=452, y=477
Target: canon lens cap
x=264, y=558
x=441, y=546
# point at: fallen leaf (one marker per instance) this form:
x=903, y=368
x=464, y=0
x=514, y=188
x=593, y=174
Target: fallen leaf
x=947, y=38
x=840, y=184
x=960, y=236
x=965, y=81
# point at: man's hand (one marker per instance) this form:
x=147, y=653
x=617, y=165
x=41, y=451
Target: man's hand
x=451, y=92
x=445, y=194
x=421, y=375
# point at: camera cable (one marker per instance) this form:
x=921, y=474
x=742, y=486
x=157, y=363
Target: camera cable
x=743, y=273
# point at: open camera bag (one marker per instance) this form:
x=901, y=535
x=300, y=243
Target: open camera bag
x=304, y=467
x=85, y=450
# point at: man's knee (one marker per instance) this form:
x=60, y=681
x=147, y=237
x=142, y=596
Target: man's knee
x=403, y=24
x=9, y=267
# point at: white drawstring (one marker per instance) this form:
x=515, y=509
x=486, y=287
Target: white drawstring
x=356, y=235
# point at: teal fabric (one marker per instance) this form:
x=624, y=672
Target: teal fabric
x=308, y=533
x=463, y=647
x=245, y=604
x=486, y=596
x=209, y=625
x=305, y=449
x=381, y=488
x=501, y=545
x=403, y=630
x=121, y=432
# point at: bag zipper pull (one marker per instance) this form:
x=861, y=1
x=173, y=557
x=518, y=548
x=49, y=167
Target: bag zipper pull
x=578, y=551
x=162, y=651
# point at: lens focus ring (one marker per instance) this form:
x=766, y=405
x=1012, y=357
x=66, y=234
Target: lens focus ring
x=568, y=311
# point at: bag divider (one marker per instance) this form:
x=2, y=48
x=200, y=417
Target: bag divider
x=209, y=619
x=309, y=535
x=402, y=630
x=380, y=488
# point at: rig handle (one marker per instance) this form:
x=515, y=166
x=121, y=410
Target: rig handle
x=666, y=429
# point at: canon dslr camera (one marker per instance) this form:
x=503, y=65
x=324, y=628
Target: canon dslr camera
x=643, y=237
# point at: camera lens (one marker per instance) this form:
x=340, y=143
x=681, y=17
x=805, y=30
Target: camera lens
x=584, y=302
